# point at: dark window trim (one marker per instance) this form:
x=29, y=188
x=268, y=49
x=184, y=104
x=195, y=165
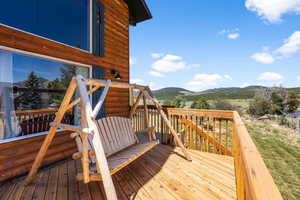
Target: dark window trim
x=98, y=29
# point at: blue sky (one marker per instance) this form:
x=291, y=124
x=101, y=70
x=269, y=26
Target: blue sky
x=217, y=43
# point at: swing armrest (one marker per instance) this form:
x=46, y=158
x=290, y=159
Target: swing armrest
x=151, y=132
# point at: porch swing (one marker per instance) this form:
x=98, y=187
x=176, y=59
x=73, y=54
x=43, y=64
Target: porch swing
x=107, y=145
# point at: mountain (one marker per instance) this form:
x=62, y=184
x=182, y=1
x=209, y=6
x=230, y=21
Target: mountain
x=211, y=94
x=297, y=90
x=219, y=90
x=254, y=87
x=171, y=92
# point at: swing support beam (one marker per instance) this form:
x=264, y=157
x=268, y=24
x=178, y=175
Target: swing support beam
x=89, y=130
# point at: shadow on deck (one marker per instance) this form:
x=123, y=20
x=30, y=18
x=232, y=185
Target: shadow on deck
x=162, y=173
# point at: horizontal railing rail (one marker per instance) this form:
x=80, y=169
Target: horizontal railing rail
x=221, y=132
x=253, y=179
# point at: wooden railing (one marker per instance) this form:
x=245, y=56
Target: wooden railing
x=154, y=119
x=221, y=132
x=35, y=121
x=209, y=131
x=204, y=130
x=252, y=176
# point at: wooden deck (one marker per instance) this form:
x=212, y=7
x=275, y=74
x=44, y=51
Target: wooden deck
x=162, y=173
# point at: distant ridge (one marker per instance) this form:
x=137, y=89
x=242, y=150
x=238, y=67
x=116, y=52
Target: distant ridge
x=248, y=92
x=171, y=92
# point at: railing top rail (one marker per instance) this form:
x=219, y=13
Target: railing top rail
x=224, y=114
x=259, y=183
x=31, y=112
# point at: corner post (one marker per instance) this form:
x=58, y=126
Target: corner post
x=167, y=121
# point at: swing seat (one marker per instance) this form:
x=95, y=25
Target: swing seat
x=107, y=145
x=121, y=145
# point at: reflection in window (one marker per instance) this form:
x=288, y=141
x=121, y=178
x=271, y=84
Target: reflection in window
x=64, y=21
x=31, y=90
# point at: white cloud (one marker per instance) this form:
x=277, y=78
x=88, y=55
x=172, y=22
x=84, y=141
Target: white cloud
x=153, y=86
x=290, y=46
x=298, y=78
x=246, y=85
x=157, y=55
x=270, y=76
x=272, y=10
x=228, y=77
x=155, y=73
x=170, y=63
x=263, y=57
x=233, y=35
x=226, y=31
x=206, y=81
x=137, y=81
x=132, y=60
x=230, y=33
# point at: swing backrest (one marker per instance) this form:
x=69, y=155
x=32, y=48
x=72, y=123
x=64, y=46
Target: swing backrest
x=116, y=134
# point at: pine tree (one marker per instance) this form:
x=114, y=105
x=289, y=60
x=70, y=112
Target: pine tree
x=292, y=102
x=57, y=97
x=67, y=72
x=200, y=104
x=31, y=99
x=179, y=102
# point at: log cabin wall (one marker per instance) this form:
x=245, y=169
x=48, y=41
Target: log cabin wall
x=116, y=48
x=17, y=157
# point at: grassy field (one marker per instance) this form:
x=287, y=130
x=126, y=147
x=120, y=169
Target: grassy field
x=280, y=149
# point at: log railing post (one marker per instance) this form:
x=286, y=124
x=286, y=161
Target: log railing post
x=146, y=112
x=168, y=123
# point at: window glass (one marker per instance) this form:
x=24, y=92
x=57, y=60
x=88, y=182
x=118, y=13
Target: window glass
x=31, y=90
x=65, y=21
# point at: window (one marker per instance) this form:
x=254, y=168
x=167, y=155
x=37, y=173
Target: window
x=31, y=90
x=65, y=21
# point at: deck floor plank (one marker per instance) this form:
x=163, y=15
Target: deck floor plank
x=139, y=190
x=153, y=185
x=188, y=185
x=84, y=191
x=62, y=187
x=126, y=187
x=198, y=187
x=174, y=186
x=51, y=191
x=73, y=191
x=3, y=188
x=220, y=178
x=120, y=191
x=208, y=174
x=161, y=174
x=29, y=190
x=41, y=186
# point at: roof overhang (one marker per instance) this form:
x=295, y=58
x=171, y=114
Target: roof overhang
x=138, y=11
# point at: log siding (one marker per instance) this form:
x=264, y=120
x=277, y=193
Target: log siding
x=17, y=157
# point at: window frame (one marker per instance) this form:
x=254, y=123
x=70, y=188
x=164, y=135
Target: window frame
x=52, y=58
x=90, y=16
x=35, y=55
